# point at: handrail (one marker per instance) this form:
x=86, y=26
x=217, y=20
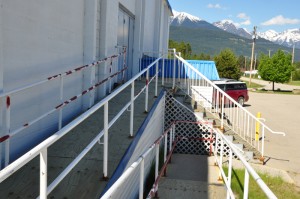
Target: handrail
x=170, y=133
x=59, y=106
x=248, y=167
x=53, y=77
x=239, y=119
x=42, y=147
x=9, y=133
x=225, y=94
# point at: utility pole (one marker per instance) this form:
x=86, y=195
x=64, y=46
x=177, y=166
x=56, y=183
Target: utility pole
x=270, y=53
x=293, y=56
x=252, y=55
x=255, y=61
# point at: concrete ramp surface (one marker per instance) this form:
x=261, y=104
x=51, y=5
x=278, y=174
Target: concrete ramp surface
x=191, y=176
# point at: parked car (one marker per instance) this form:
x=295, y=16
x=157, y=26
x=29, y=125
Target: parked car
x=235, y=89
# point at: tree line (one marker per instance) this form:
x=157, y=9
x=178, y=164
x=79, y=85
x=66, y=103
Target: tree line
x=276, y=68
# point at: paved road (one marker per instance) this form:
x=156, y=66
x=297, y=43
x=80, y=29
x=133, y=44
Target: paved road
x=282, y=113
x=268, y=85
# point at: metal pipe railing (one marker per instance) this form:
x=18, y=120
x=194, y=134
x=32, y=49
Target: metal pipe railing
x=43, y=146
x=238, y=118
x=247, y=166
x=169, y=132
x=5, y=138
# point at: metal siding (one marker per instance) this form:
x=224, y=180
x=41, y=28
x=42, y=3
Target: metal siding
x=36, y=45
x=207, y=68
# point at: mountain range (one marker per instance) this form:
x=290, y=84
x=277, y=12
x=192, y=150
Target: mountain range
x=211, y=38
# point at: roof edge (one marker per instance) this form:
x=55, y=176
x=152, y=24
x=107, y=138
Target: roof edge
x=170, y=8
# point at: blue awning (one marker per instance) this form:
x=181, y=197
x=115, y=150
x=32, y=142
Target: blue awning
x=207, y=68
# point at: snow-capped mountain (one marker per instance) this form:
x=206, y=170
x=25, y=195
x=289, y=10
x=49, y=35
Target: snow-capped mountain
x=228, y=26
x=286, y=38
x=187, y=20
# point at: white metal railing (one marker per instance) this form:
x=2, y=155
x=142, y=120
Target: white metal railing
x=168, y=148
x=10, y=133
x=162, y=141
x=239, y=120
x=248, y=169
x=41, y=149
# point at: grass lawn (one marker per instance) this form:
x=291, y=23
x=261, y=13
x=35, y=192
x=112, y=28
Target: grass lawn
x=280, y=188
x=294, y=83
x=253, y=85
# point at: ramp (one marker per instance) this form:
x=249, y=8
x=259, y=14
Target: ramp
x=191, y=176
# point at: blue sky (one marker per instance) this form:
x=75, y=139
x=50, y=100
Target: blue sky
x=277, y=15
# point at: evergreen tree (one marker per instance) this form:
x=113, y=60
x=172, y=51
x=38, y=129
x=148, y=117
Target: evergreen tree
x=227, y=66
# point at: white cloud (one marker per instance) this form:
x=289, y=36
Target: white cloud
x=247, y=22
x=243, y=16
x=217, y=6
x=280, y=20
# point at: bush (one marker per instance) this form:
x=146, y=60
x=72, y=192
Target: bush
x=296, y=75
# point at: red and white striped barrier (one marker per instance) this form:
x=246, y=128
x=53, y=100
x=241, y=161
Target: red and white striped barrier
x=60, y=106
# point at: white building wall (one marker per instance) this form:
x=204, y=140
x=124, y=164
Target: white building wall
x=149, y=24
x=39, y=39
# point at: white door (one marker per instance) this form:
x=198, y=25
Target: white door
x=125, y=38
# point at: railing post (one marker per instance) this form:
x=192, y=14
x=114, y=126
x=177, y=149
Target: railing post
x=7, y=152
x=43, y=174
x=216, y=150
x=141, y=190
x=221, y=159
x=124, y=64
x=174, y=68
x=174, y=131
x=188, y=81
x=110, y=79
x=222, y=113
x=263, y=142
x=61, y=98
x=92, y=82
x=246, y=184
x=156, y=79
x=146, y=95
x=105, y=146
x=229, y=172
x=132, y=109
x=165, y=148
x=7, y=142
x=170, y=139
x=156, y=166
x=178, y=77
x=163, y=71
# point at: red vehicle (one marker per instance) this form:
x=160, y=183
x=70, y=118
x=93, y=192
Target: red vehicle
x=235, y=89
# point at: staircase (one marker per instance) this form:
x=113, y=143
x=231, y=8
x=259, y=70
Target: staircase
x=250, y=153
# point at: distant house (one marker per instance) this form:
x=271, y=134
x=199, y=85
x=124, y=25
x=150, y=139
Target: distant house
x=43, y=38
